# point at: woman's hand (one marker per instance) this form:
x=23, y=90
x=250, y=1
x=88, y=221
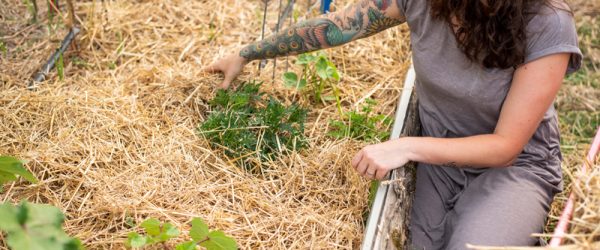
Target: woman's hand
x=231, y=66
x=375, y=161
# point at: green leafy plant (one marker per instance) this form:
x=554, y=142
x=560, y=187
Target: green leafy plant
x=157, y=232
x=245, y=123
x=11, y=168
x=362, y=125
x=318, y=74
x=35, y=227
x=210, y=239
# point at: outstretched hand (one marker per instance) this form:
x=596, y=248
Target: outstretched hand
x=375, y=161
x=231, y=66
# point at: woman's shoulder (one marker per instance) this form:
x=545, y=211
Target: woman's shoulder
x=551, y=29
x=551, y=15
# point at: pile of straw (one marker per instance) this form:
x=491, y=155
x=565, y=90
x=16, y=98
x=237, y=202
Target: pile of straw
x=585, y=226
x=116, y=140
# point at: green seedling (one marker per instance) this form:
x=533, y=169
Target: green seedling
x=36, y=227
x=318, y=75
x=11, y=168
x=211, y=240
x=158, y=232
x=363, y=125
x=155, y=232
x=244, y=124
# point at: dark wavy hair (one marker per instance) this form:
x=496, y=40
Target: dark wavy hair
x=491, y=32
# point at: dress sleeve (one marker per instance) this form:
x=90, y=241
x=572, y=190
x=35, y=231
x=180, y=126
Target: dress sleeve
x=553, y=31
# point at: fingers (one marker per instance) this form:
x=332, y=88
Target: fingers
x=227, y=81
x=362, y=167
x=357, y=158
x=371, y=171
x=213, y=68
x=380, y=174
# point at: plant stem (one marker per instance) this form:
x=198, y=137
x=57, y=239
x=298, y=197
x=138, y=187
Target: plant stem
x=336, y=94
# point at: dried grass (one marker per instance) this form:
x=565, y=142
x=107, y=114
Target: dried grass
x=584, y=228
x=112, y=144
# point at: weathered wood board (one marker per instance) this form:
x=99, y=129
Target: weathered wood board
x=388, y=225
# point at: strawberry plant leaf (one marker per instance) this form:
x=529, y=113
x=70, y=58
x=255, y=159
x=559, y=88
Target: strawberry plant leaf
x=151, y=226
x=217, y=240
x=321, y=68
x=169, y=231
x=135, y=240
x=35, y=227
x=188, y=245
x=199, y=230
x=306, y=58
x=290, y=79
x=10, y=165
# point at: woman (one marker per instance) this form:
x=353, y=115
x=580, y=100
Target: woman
x=487, y=74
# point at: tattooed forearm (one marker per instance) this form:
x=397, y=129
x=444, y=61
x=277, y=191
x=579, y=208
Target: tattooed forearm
x=360, y=20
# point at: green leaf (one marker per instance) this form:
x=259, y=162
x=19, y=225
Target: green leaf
x=219, y=241
x=306, y=58
x=8, y=218
x=35, y=227
x=188, y=245
x=170, y=231
x=74, y=244
x=151, y=226
x=199, y=229
x=135, y=240
x=332, y=71
x=6, y=177
x=290, y=79
x=14, y=166
x=321, y=68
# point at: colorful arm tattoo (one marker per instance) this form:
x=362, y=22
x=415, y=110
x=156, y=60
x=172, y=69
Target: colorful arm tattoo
x=361, y=20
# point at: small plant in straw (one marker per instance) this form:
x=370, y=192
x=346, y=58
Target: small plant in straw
x=244, y=123
x=11, y=168
x=318, y=74
x=35, y=227
x=158, y=232
x=363, y=125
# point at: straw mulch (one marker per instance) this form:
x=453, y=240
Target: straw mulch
x=116, y=140
x=585, y=226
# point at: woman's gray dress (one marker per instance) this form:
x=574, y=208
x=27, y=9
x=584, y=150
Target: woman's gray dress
x=459, y=98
